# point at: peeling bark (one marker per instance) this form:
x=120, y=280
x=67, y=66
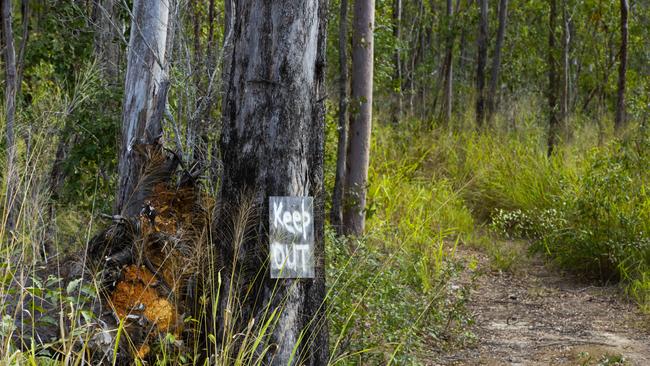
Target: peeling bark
x=145, y=93
x=272, y=145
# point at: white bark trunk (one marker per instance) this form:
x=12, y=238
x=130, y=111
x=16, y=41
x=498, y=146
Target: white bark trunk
x=144, y=94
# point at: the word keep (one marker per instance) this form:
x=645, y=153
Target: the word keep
x=291, y=234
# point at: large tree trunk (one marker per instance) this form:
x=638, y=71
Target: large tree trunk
x=481, y=62
x=553, y=124
x=356, y=176
x=336, y=215
x=272, y=145
x=144, y=98
x=619, y=121
x=10, y=110
x=496, y=61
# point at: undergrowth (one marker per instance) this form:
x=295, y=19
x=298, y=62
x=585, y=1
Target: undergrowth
x=395, y=295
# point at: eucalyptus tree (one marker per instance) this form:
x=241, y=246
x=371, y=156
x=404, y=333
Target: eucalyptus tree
x=447, y=66
x=356, y=177
x=619, y=121
x=272, y=144
x=10, y=114
x=336, y=214
x=107, y=42
x=145, y=93
x=552, y=91
x=496, y=60
x=481, y=61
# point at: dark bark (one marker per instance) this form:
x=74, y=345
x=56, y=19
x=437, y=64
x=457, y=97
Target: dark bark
x=619, y=120
x=496, y=61
x=481, y=62
x=198, y=125
x=356, y=176
x=336, y=215
x=448, y=68
x=20, y=63
x=210, y=47
x=552, y=92
x=145, y=94
x=272, y=145
x=609, y=69
x=397, y=35
x=566, y=38
x=10, y=115
x=108, y=39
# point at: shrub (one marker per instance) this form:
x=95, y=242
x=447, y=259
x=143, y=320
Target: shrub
x=607, y=215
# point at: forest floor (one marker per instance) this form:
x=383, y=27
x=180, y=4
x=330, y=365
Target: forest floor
x=538, y=315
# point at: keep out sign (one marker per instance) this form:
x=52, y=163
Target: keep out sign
x=291, y=233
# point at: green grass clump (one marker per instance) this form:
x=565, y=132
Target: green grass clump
x=606, y=228
x=590, y=211
x=392, y=293
x=381, y=310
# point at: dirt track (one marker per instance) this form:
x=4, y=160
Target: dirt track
x=540, y=316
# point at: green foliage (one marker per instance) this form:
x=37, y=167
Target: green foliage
x=607, y=214
x=63, y=39
x=406, y=195
x=606, y=359
x=382, y=309
x=91, y=164
x=392, y=291
x=592, y=216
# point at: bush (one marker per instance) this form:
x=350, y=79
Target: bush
x=607, y=215
x=596, y=222
x=391, y=291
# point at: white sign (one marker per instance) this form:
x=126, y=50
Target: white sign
x=291, y=236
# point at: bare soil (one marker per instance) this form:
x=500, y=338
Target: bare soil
x=539, y=315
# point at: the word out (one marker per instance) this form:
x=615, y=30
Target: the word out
x=291, y=234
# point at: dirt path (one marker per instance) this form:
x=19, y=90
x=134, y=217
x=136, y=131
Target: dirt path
x=540, y=316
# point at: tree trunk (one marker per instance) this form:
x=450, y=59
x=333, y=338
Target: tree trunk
x=10, y=110
x=566, y=38
x=397, y=34
x=552, y=81
x=107, y=39
x=144, y=97
x=619, y=121
x=356, y=176
x=496, y=61
x=481, y=62
x=336, y=215
x=20, y=63
x=448, y=67
x=272, y=145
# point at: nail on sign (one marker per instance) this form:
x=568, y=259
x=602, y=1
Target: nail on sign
x=291, y=233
